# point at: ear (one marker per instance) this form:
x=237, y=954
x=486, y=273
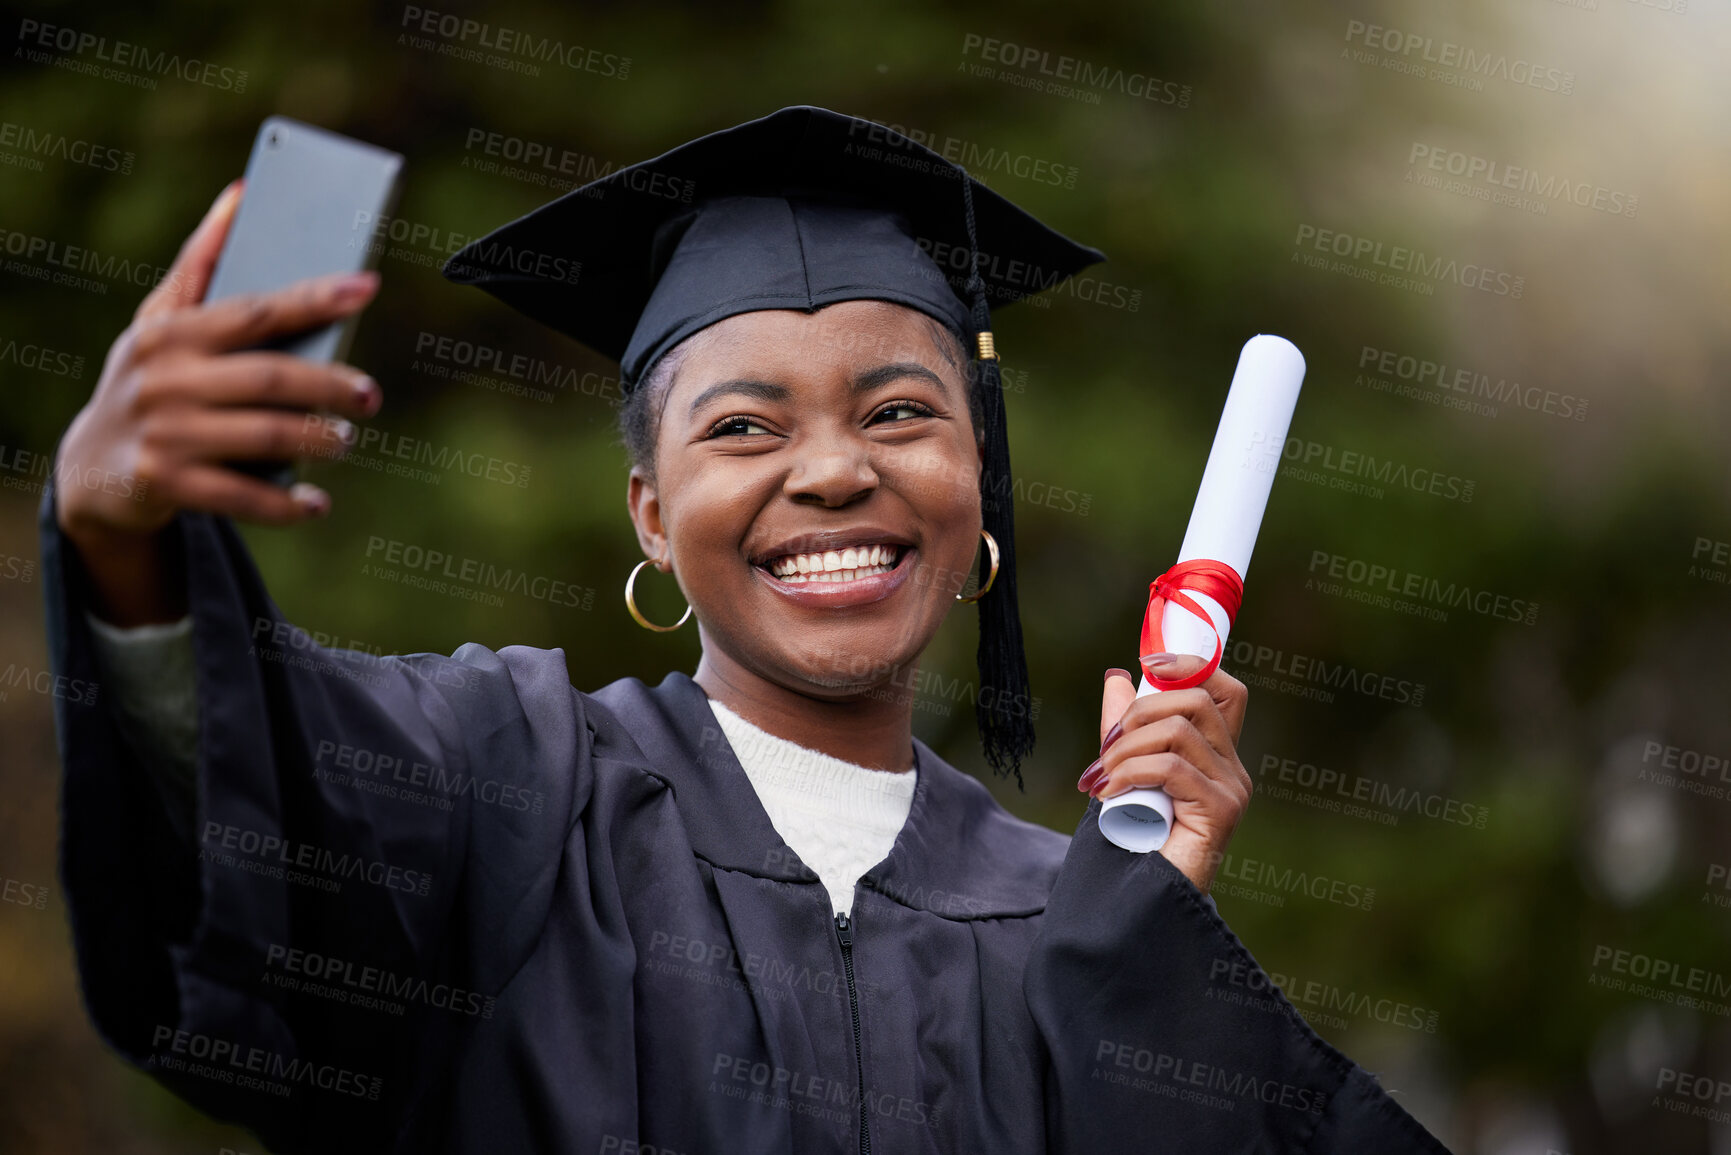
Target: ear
x=644, y=504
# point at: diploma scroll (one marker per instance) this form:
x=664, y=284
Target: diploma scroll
x=1223, y=527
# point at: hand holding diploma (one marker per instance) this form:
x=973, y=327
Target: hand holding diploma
x=1185, y=743
x=1192, y=605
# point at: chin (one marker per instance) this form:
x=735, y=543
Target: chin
x=841, y=669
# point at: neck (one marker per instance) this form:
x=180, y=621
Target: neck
x=873, y=728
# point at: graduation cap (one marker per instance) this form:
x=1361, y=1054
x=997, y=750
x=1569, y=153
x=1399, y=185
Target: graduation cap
x=797, y=210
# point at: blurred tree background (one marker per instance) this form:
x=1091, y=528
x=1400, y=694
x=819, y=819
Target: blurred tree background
x=1208, y=150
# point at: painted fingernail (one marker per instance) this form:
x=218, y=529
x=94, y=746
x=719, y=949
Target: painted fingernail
x=1089, y=776
x=342, y=429
x=369, y=395
x=1112, y=735
x=310, y=498
x=1159, y=659
x=1120, y=673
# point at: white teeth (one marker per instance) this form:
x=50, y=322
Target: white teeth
x=836, y=575
x=843, y=565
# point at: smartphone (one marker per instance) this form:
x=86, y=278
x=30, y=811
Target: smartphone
x=311, y=203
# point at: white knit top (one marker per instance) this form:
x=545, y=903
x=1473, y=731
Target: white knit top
x=839, y=817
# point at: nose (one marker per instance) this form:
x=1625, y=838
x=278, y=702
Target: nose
x=832, y=470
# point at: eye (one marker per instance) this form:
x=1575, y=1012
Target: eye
x=736, y=426
x=910, y=408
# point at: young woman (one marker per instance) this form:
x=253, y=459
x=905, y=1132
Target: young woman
x=455, y=904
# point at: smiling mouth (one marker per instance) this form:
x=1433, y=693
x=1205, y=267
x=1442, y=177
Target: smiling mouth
x=836, y=565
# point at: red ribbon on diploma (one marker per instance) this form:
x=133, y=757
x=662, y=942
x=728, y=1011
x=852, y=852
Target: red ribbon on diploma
x=1214, y=578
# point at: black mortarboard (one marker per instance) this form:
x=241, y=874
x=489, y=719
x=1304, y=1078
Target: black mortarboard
x=797, y=210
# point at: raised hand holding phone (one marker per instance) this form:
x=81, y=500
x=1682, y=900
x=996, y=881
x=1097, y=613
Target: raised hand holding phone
x=185, y=391
x=313, y=201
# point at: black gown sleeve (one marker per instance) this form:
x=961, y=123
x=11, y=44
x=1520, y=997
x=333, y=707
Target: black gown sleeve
x=1150, y=1048
x=368, y=829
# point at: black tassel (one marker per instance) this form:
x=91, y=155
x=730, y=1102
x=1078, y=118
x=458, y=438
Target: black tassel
x=1003, y=707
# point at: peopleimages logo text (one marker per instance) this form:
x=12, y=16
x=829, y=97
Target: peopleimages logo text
x=469, y=39
x=1034, y=61
x=1400, y=259
x=1452, y=55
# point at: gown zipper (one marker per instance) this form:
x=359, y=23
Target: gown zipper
x=844, y=932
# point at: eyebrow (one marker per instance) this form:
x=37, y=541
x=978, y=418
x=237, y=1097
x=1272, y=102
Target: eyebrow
x=770, y=391
x=743, y=386
x=884, y=374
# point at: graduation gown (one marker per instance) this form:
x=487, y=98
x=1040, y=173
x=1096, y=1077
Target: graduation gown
x=453, y=904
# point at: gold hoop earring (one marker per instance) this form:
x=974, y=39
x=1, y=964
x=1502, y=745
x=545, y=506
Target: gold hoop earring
x=631, y=603
x=992, y=549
